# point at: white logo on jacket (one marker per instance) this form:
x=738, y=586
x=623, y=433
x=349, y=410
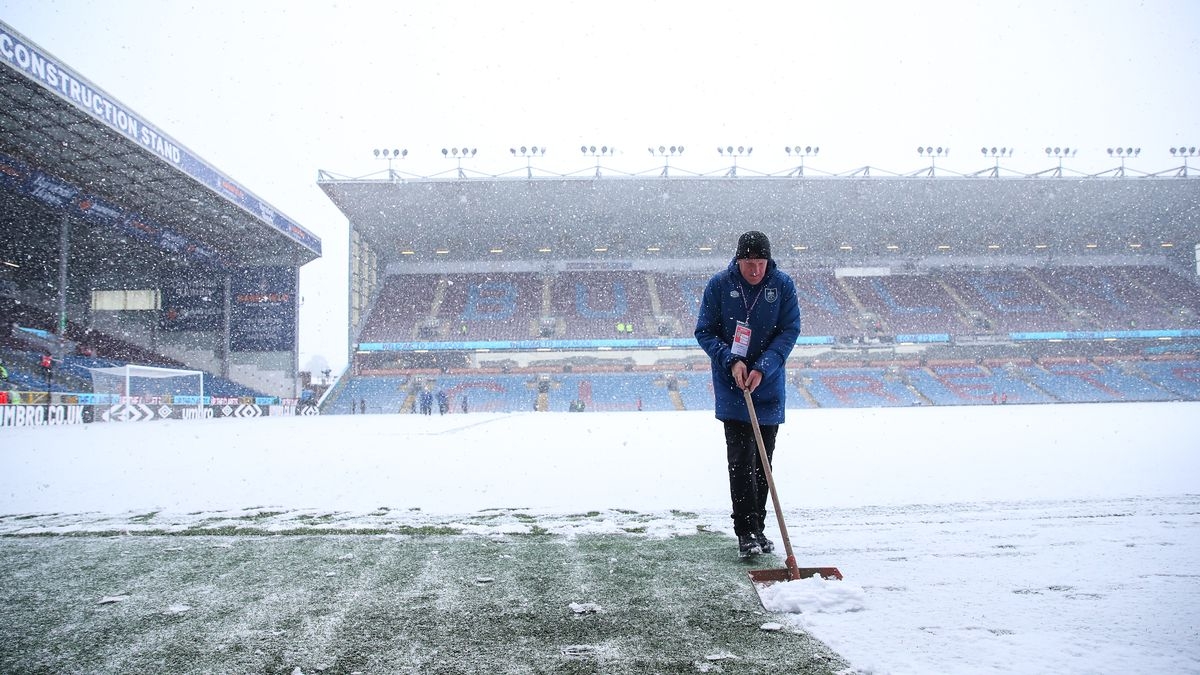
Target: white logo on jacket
x=771, y=294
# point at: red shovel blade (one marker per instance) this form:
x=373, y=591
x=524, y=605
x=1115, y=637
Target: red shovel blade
x=768, y=577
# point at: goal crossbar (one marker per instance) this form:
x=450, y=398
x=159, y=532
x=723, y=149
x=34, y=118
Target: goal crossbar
x=129, y=371
x=146, y=371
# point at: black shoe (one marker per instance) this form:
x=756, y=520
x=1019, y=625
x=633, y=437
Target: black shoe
x=763, y=543
x=748, y=546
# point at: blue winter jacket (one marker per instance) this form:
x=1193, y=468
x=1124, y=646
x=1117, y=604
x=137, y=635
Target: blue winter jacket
x=774, y=326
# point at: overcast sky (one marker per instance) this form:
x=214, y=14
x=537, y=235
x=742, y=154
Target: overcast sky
x=270, y=92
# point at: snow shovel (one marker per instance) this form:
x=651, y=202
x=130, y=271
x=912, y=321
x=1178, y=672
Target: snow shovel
x=763, y=578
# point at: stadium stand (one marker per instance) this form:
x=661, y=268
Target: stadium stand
x=826, y=306
x=1075, y=381
x=1013, y=311
x=602, y=304
x=492, y=307
x=595, y=305
x=949, y=384
x=679, y=298
x=1180, y=378
x=905, y=304
x=849, y=387
x=580, y=289
x=121, y=246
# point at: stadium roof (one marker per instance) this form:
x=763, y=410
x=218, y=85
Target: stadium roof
x=60, y=129
x=858, y=217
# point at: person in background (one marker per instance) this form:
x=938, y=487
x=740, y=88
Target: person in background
x=748, y=323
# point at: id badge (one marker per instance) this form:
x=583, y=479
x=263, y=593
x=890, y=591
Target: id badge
x=741, y=339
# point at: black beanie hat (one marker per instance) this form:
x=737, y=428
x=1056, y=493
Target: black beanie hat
x=753, y=244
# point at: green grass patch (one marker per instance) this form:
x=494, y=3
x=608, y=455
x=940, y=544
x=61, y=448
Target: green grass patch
x=345, y=603
x=323, y=518
x=242, y=531
x=261, y=515
x=486, y=518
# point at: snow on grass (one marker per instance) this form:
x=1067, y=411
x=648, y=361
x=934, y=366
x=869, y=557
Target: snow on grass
x=813, y=595
x=989, y=539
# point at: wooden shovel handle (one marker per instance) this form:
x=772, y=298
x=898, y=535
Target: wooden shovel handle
x=765, y=462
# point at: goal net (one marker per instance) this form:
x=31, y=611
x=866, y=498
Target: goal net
x=148, y=384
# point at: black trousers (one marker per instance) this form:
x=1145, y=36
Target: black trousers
x=747, y=483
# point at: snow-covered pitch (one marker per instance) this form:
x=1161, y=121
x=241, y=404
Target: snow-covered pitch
x=989, y=539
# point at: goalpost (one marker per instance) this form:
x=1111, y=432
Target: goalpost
x=133, y=383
